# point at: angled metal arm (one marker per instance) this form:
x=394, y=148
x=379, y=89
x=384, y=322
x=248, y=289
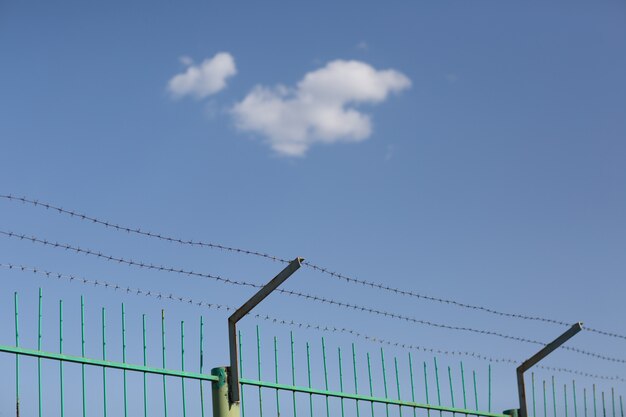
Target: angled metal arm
x=549, y=348
x=233, y=374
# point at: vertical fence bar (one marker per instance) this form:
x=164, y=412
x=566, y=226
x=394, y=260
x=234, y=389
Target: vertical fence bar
x=553, y=396
x=61, y=362
x=532, y=378
x=613, y=400
x=104, y=358
x=565, y=397
x=574, y=398
x=82, y=352
x=308, y=371
x=585, y=400
x=145, y=363
x=489, y=399
x=39, y=348
x=463, y=386
x=395, y=362
x=603, y=406
x=382, y=359
x=276, y=374
x=451, y=389
x=340, y=379
x=258, y=368
x=595, y=409
x=545, y=400
x=293, y=375
x=325, y=375
x=369, y=376
x=356, y=381
x=241, y=404
x=475, y=390
x=17, y=357
x=182, y=366
x=412, y=383
x=201, y=364
x=437, y=384
x=621, y=406
x=426, y=387
x=163, y=362
x=124, y=361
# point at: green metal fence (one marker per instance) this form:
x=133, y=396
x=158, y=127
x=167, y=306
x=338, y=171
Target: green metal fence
x=365, y=384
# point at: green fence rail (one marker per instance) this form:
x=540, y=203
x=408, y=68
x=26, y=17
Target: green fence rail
x=367, y=385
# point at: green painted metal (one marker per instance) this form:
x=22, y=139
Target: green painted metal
x=585, y=400
x=325, y=375
x=489, y=389
x=145, y=363
x=308, y=373
x=463, y=386
x=369, y=375
x=621, y=406
x=382, y=360
x=201, y=365
x=258, y=364
x=574, y=398
x=82, y=352
x=39, y=317
x=164, y=362
x=17, y=357
x=340, y=380
x=61, y=386
x=545, y=400
x=381, y=400
x=565, y=397
x=104, y=368
x=276, y=374
x=475, y=390
x=553, y=396
x=595, y=409
x=532, y=379
x=437, y=383
x=613, y=400
x=124, y=383
x=426, y=385
x=451, y=385
x=104, y=363
x=395, y=362
x=356, y=380
x=603, y=406
x=182, y=366
x=242, y=403
x=293, y=375
x=412, y=382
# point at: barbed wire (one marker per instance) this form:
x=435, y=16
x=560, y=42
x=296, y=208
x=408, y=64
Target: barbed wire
x=291, y=323
x=315, y=298
x=321, y=269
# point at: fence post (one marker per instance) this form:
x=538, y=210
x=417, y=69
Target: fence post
x=222, y=407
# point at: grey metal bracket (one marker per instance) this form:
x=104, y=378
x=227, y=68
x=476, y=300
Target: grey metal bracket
x=233, y=379
x=549, y=348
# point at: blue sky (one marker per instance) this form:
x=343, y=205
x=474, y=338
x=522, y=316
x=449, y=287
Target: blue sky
x=485, y=162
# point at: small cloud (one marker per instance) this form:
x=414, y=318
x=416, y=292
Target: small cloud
x=204, y=79
x=320, y=108
x=363, y=46
x=452, y=78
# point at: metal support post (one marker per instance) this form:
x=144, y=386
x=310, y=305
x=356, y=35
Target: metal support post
x=549, y=348
x=222, y=407
x=233, y=372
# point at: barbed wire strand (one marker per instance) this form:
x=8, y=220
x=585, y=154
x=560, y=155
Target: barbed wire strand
x=307, y=264
x=140, y=264
x=291, y=323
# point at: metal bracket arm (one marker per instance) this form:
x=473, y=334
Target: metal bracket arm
x=233, y=374
x=526, y=365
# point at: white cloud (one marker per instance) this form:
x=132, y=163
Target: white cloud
x=204, y=79
x=320, y=109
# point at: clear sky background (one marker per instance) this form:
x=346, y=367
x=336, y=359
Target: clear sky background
x=473, y=151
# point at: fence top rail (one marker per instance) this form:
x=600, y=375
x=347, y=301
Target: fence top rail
x=105, y=364
x=389, y=401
